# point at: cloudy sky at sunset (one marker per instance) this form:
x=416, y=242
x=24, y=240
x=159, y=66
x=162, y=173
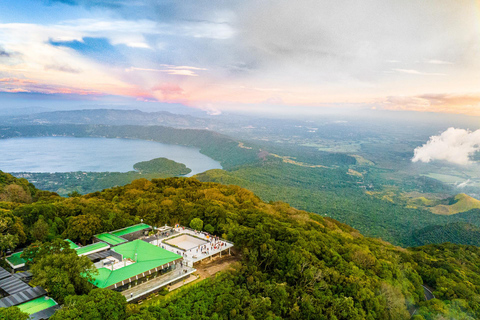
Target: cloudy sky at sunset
x=222, y=55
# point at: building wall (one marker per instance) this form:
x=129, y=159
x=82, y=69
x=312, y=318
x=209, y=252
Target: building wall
x=148, y=277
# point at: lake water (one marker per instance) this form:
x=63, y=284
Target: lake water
x=62, y=154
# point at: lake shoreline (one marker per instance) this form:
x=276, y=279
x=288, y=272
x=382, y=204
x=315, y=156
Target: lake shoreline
x=60, y=154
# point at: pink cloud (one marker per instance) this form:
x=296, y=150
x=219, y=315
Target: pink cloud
x=446, y=103
x=15, y=85
x=16, y=81
x=169, y=91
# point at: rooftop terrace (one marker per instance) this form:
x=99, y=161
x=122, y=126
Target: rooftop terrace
x=141, y=256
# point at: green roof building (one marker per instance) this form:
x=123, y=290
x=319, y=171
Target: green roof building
x=131, y=229
x=92, y=248
x=140, y=260
x=111, y=239
x=40, y=308
x=72, y=244
x=15, y=261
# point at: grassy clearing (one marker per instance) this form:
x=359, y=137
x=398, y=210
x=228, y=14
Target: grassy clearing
x=462, y=203
x=445, y=178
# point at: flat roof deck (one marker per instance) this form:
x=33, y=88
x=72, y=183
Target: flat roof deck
x=37, y=305
x=110, y=239
x=92, y=248
x=193, y=255
x=186, y=242
x=15, y=260
x=147, y=256
x=130, y=229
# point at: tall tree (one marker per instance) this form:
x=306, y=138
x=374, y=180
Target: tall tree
x=7, y=242
x=196, y=224
x=40, y=230
x=83, y=227
x=38, y=250
x=10, y=224
x=98, y=304
x=12, y=313
x=60, y=270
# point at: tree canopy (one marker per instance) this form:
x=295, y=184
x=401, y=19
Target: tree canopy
x=294, y=264
x=196, y=224
x=58, y=269
x=12, y=313
x=97, y=304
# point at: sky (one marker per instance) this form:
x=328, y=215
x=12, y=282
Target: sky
x=244, y=55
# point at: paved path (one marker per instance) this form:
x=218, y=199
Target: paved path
x=428, y=296
x=147, y=287
x=428, y=293
x=190, y=278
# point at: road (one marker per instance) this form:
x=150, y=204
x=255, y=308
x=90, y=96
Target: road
x=428, y=293
x=428, y=296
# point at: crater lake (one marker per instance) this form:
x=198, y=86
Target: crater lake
x=67, y=154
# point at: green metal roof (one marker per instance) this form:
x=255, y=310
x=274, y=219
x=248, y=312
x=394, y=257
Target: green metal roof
x=148, y=257
x=131, y=229
x=92, y=247
x=37, y=305
x=110, y=238
x=15, y=259
x=72, y=244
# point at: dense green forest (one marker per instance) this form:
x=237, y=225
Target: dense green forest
x=454, y=232
x=334, y=193
x=294, y=264
x=162, y=165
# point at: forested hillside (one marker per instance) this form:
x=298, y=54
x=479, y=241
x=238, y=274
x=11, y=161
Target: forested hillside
x=17, y=190
x=336, y=193
x=455, y=232
x=13, y=194
x=294, y=264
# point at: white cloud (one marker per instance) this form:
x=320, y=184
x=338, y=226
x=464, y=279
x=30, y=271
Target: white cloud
x=463, y=184
x=172, y=70
x=453, y=145
x=434, y=61
x=419, y=73
x=181, y=67
x=210, y=109
x=36, y=56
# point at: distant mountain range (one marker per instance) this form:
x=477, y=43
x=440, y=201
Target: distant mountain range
x=9, y=112
x=108, y=117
